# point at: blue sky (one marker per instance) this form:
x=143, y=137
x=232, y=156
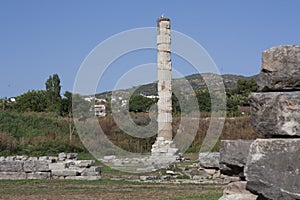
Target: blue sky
x=40, y=38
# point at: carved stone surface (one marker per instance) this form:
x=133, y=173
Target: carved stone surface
x=280, y=69
x=273, y=168
x=233, y=156
x=276, y=113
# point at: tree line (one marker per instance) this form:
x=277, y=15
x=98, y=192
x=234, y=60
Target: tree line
x=235, y=97
x=50, y=99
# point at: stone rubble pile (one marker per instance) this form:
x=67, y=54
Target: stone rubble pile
x=272, y=168
x=65, y=166
x=190, y=172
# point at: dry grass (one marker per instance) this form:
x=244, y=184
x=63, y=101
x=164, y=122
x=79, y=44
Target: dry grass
x=234, y=128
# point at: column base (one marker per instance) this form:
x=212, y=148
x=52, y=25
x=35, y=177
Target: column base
x=165, y=150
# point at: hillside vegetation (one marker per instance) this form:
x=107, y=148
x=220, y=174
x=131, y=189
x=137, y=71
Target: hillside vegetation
x=39, y=134
x=41, y=122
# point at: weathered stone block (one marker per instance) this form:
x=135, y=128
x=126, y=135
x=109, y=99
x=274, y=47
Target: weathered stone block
x=39, y=175
x=13, y=175
x=57, y=166
x=164, y=39
x=280, y=69
x=11, y=166
x=36, y=166
x=273, y=168
x=66, y=172
x=84, y=163
x=164, y=47
x=233, y=156
x=87, y=173
x=276, y=113
x=209, y=160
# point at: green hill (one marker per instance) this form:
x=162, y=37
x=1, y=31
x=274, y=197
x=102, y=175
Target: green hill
x=195, y=80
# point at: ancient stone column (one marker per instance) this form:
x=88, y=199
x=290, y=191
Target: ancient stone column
x=163, y=150
x=164, y=79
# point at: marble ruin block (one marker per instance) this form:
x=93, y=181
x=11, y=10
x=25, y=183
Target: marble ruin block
x=280, y=69
x=276, y=113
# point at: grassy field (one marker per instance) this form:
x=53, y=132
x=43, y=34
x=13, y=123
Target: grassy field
x=104, y=189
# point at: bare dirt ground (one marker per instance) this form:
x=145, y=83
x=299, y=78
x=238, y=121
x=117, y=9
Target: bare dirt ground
x=104, y=189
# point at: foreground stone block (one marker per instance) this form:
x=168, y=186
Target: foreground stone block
x=92, y=171
x=36, y=166
x=276, y=113
x=237, y=191
x=11, y=166
x=57, y=166
x=13, y=175
x=66, y=172
x=209, y=160
x=273, y=168
x=84, y=163
x=233, y=156
x=280, y=69
x=39, y=175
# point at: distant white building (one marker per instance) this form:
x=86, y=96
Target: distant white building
x=149, y=96
x=99, y=110
x=12, y=99
x=92, y=98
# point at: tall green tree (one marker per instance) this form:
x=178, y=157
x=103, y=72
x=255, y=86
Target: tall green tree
x=53, y=92
x=66, y=104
